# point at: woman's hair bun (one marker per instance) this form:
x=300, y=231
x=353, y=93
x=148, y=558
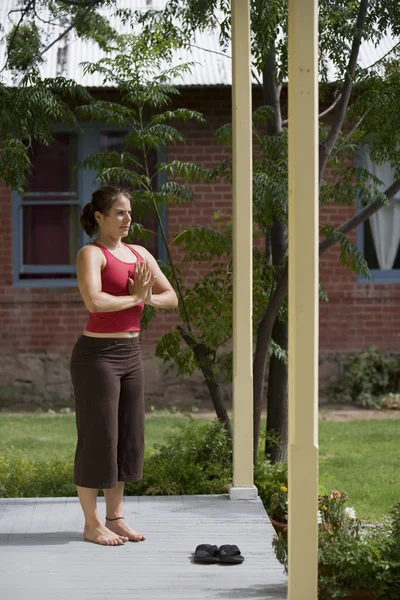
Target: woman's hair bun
x=87, y=220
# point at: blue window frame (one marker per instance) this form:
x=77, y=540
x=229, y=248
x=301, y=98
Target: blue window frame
x=44, y=254
x=366, y=244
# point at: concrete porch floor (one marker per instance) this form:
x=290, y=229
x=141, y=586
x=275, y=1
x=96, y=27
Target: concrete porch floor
x=43, y=555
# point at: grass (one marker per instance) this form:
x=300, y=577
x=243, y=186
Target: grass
x=363, y=459
x=359, y=457
x=43, y=437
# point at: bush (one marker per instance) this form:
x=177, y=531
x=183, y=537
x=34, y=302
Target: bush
x=197, y=461
x=20, y=478
x=350, y=556
x=369, y=376
x=271, y=481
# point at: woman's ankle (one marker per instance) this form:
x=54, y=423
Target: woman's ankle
x=93, y=521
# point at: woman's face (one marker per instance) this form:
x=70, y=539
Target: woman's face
x=117, y=223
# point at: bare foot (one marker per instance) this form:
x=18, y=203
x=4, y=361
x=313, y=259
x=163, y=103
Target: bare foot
x=122, y=529
x=99, y=534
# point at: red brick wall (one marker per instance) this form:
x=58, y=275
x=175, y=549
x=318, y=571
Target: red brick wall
x=357, y=315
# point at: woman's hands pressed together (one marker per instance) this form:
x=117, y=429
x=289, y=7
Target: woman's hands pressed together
x=142, y=283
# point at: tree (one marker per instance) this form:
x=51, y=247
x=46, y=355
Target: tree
x=361, y=113
x=32, y=105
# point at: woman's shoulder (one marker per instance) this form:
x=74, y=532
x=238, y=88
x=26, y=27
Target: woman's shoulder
x=90, y=252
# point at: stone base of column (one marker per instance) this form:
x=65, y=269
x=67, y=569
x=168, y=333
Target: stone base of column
x=243, y=493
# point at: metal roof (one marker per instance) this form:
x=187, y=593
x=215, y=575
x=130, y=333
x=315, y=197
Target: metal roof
x=212, y=63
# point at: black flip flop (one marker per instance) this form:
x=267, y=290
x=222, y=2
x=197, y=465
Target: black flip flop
x=230, y=555
x=206, y=553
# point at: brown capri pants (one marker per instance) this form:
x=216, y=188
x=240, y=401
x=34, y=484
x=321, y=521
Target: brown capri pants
x=107, y=375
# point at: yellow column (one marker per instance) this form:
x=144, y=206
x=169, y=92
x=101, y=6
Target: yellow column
x=243, y=487
x=303, y=300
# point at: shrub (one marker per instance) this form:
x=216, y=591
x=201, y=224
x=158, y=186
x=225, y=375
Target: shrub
x=271, y=480
x=350, y=556
x=368, y=377
x=196, y=461
x=20, y=478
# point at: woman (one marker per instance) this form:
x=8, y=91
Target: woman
x=115, y=280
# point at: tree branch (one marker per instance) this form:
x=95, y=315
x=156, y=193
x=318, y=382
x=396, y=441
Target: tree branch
x=60, y=37
x=254, y=74
x=285, y=123
x=272, y=310
x=24, y=11
x=360, y=217
x=202, y=355
x=382, y=57
x=354, y=129
x=80, y=3
x=327, y=146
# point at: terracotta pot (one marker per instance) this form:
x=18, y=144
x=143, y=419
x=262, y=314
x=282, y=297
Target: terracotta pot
x=279, y=527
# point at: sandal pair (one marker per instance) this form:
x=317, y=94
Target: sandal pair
x=227, y=554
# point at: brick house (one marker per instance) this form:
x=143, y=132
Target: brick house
x=41, y=310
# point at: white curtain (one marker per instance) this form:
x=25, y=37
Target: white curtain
x=385, y=224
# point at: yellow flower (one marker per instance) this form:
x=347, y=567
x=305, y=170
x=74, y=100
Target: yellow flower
x=324, y=507
x=283, y=488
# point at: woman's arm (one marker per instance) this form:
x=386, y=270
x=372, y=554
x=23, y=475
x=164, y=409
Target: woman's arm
x=88, y=269
x=163, y=295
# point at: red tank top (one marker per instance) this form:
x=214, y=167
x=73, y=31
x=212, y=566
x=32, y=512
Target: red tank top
x=114, y=281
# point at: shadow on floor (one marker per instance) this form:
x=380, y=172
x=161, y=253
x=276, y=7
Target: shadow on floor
x=50, y=538
x=266, y=592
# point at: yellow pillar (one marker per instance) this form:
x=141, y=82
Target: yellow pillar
x=303, y=300
x=243, y=487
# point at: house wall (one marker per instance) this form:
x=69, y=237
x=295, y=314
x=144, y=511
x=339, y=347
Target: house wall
x=359, y=314
x=40, y=326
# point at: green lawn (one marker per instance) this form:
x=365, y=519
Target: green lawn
x=46, y=437
x=363, y=459
x=359, y=457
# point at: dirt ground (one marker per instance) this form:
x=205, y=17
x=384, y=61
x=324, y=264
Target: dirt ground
x=340, y=412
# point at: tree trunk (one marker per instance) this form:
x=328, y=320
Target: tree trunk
x=271, y=94
x=277, y=399
x=271, y=98
x=204, y=361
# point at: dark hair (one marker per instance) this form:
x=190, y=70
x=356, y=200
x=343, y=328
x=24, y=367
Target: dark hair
x=102, y=201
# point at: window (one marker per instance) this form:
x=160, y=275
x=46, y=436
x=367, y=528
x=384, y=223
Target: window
x=48, y=212
x=379, y=236
x=46, y=230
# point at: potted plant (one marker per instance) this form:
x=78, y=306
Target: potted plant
x=271, y=480
x=278, y=509
x=354, y=562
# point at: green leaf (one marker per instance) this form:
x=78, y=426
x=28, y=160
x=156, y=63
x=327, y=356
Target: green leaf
x=179, y=193
x=185, y=170
x=183, y=114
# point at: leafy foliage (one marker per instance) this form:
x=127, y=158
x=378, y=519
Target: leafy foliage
x=350, y=557
x=368, y=376
x=24, y=44
x=198, y=460
x=28, y=113
x=30, y=108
